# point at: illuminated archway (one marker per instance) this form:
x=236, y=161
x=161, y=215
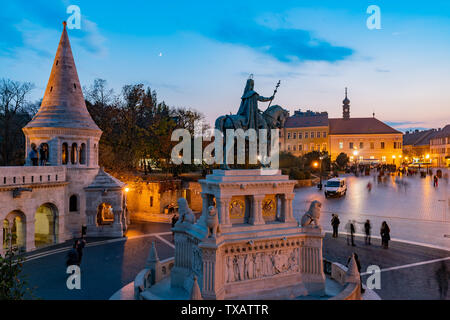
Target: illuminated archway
x=46, y=225
x=105, y=214
x=14, y=230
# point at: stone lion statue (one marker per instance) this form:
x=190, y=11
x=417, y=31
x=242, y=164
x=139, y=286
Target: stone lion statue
x=312, y=215
x=212, y=222
x=186, y=215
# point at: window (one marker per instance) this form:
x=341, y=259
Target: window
x=289, y=135
x=83, y=154
x=382, y=146
x=151, y=201
x=306, y=135
x=372, y=157
x=295, y=135
x=306, y=147
x=73, y=203
x=341, y=145
x=65, y=153
x=350, y=145
x=299, y=147
x=372, y=145
x=383, y=158
x=74, y=153
x=324, y=147
x=318, y=134
x=294, y=147
x=324, y=134
x=312, y=135
x=289, y=148
x=361, y=145
x=311, y=146
x=300, y=135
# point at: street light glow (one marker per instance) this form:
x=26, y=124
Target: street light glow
x=127, y=189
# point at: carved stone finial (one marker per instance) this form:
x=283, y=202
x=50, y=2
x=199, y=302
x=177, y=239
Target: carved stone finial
x=352, y=274
x=152, y=257
x=196, y=293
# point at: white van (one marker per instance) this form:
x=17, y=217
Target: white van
x=335, y=187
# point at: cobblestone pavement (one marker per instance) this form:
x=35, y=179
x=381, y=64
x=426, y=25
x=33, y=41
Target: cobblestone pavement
x=413, y=208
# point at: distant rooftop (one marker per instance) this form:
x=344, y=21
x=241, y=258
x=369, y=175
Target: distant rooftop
x=307, y=119
x=359, y=126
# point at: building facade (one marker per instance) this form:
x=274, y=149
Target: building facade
x=364, y=140
x=48, y=204
x=305, y=132
x=440, y=147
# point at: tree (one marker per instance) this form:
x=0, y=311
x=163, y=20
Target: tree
x=342, y=160
x=15, y=112
x=12, y=284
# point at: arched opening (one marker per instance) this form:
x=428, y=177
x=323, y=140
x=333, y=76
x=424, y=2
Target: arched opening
x=64, y=153
x=73, y=203
x=83, y=154
x=74, y=153
x=14, y=230
x=105, y=214
x=46, y=225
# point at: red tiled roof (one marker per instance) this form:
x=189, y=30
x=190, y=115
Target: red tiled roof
x=302, y=121
x=359, y=126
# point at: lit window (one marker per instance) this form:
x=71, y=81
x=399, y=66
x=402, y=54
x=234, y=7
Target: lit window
x=383, y=158
x=341, y=145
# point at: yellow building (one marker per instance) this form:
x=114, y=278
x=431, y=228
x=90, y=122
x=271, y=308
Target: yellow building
x=305, y=132
x=440, y=147
x=364, y=140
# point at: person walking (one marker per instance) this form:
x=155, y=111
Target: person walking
x=80, y=246
x=442, y=277
x=350, y=228
x=367, y=228
x=335, y=224
x=385, y=235
x=72, y=255
x=33, y=155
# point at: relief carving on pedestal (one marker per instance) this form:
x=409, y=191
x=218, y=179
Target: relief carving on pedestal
x=237, y=209
x=269, y=206
x=248, y=266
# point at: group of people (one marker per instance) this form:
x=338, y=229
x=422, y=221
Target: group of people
x=76, y=253
x=42, y=154
x=351, y=230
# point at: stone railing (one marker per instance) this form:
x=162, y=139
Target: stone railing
x=352, y=290
x=17, y=176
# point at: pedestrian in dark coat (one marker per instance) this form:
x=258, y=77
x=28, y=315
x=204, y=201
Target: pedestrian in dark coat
x=367, y=228
x=80, y=246
x=385, y=235
x=72, y=255
x=34, y=155
x=335, y=224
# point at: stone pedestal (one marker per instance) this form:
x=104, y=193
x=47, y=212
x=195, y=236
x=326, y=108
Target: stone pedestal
x=257, y=253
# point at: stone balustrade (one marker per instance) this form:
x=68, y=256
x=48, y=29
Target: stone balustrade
x=17, y=176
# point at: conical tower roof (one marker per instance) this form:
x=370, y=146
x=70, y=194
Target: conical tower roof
x=63, y=105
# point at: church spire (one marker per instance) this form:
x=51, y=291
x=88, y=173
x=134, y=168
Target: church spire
x=346, y=106
x=63, y=105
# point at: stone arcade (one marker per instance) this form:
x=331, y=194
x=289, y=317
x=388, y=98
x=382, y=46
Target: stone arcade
x=49, y=204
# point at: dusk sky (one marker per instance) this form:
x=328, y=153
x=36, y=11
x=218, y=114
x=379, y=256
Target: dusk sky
x=198, y=54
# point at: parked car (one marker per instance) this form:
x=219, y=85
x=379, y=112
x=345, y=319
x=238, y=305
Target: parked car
x=335, y=187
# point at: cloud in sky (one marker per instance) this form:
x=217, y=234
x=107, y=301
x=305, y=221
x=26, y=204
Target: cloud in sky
x=285, y=45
